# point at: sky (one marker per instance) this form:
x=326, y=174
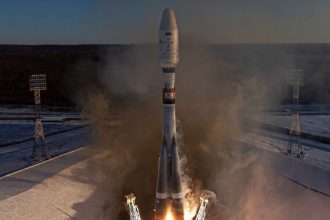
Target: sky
x=136, y=21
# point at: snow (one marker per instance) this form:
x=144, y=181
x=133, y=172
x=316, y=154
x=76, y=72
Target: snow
x=29, y=110
x=18, y=156
x=16, y=132
x=278, y=143
x=16, y=138
x=312, y=170
x=305, y=107
x=312, y=124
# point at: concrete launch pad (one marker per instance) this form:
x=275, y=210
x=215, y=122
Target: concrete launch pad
x=68, y=187
x=54, y=189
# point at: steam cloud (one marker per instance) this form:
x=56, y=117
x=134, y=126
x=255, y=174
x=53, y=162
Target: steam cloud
x=215, y=94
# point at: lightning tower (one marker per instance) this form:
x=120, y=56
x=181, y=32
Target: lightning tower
x=37, y=83
x=296, y=79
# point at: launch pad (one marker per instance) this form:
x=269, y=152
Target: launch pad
x=133, y=210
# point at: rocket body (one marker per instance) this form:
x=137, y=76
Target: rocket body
x=169, y=194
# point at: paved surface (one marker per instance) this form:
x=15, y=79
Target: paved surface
x=53, y=189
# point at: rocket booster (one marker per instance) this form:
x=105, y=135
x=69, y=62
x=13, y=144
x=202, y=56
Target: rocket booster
x=169, y=194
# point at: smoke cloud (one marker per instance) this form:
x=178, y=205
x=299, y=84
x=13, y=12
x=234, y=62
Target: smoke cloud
x=216, y=93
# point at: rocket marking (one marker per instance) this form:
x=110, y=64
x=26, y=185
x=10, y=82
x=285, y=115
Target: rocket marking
x=161, y=195
x=168, y=96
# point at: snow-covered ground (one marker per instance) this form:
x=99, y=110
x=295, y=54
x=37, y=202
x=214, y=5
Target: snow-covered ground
x=18, y=156
x=17, y=132
x=278, y=143
x=305, y=107
x=312, y=124
x=313, y=169
x=29, y=110
x=64, y=131
x=17, y=123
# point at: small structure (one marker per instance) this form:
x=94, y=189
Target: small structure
x=132, y=208
x=203, y=206
x=37, y=83
x=296, y=79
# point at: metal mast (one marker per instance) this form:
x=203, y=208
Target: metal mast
x=37, y=83
x=296, y=79
x=132, y=208
x=203, y=205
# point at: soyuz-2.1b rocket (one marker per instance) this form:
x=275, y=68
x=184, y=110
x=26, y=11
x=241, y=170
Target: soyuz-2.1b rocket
x=169, y=196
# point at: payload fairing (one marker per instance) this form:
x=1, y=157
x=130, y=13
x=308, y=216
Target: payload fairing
x=169, y=196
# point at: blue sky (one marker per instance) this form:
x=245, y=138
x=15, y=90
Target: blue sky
x=136, y=21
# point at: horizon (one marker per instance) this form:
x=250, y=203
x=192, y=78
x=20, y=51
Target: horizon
x=156, y=44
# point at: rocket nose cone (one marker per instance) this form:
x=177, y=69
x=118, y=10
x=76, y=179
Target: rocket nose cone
x=168, y=21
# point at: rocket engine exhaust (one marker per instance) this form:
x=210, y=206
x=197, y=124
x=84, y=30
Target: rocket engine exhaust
x=169, y=195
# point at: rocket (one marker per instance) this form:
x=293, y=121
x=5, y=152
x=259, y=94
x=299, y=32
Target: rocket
x=169, y=196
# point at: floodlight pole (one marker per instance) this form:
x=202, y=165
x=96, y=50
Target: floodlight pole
x=296, y=79
x=38, y=83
